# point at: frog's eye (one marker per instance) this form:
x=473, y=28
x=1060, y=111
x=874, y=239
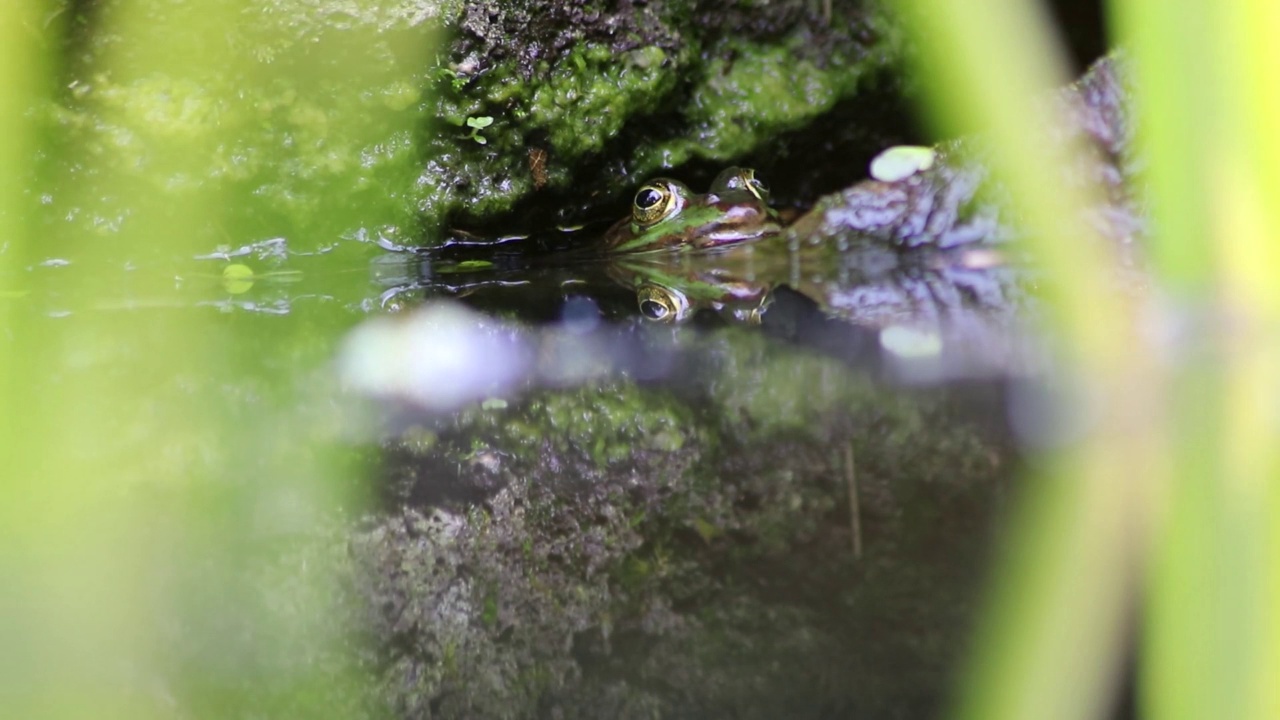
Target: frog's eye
x=655, y=309
x=656, y=201
x=662, y=304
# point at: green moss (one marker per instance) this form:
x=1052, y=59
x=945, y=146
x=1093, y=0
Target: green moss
x=751, y=93
x=333, y=100
x=611, y=427
x=590, y=95
x=680, y=81
x=489, y=611
x=800, y=397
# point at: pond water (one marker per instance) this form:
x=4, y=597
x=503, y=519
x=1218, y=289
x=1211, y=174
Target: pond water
x=511, y=491
x=757, y=508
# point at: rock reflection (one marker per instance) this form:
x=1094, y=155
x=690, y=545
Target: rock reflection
x=756, y=483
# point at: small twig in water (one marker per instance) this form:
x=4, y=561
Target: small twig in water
x=855, y=519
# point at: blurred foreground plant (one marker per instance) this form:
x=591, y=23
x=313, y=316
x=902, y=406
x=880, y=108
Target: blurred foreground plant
x=1211, y=636
x=1165, y=503
x=164, y=485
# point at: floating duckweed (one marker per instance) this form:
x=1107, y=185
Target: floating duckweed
x=237, y=278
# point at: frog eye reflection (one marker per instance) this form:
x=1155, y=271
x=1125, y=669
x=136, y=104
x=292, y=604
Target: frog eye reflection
x=654, y=202
x=662, y=304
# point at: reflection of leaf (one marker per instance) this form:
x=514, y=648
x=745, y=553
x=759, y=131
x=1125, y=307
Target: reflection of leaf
x=237, y=278
x=464, y=266
x=281, y=276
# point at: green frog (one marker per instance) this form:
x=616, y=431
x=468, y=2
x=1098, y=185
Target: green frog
x=666, y=215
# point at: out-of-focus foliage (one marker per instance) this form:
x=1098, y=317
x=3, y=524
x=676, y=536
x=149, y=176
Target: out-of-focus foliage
x=1212, y=633
x=1172, y=473
x=159, y=527
x=292, y=114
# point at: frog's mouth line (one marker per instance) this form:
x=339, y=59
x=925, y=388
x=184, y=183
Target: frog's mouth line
x=734, y=236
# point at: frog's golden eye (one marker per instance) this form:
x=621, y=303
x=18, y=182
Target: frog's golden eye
x=655, y=201
x=662, y=304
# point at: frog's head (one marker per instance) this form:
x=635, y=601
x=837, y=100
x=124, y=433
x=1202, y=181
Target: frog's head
x=665, y=214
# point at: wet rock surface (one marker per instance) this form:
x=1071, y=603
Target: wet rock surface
x=954, y=203
x=590, y=98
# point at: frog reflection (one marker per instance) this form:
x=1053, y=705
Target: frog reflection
x=870, y=287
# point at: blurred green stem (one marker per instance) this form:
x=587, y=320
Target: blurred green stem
x=1054, y=632
x=1212, y=640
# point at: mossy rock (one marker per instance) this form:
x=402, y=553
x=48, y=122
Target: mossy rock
x=320, y=120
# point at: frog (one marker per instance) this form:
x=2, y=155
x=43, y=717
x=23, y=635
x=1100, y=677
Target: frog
x=667, y=215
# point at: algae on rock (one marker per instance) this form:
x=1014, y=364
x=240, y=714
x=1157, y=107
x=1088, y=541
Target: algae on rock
x=328, y=119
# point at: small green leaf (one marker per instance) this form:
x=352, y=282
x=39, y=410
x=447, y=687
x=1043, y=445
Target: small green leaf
x=480, y=140
x=237, y=278
x=479, y=123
